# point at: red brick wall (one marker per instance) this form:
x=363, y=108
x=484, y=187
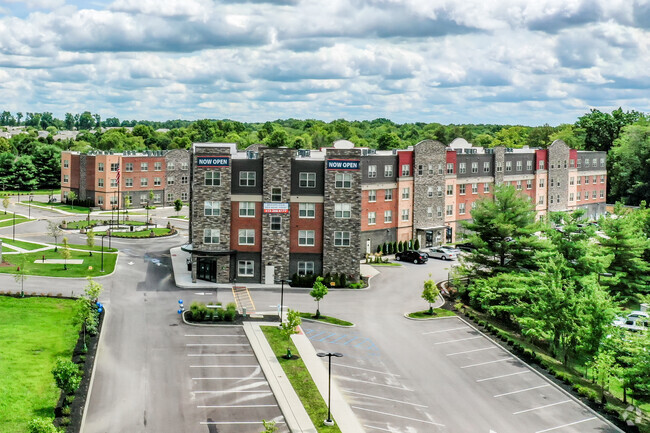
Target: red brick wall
x=379, y=207
x=404, y=157
x=298, y=223
x=238, y=222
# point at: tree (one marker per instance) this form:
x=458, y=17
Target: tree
x=7, y=170
x=629, y=162
x=90, y=241
x=69, y=121
x=289, y=327
x=55, y=231
x=278, y=138
x=85, y=313
x=430, y=293
x=25, y=173
x=178, y=205
x=5, y=204
x=318, y=292
x=66, y=375
x=21, y=276
x=601, y=129
x=388, y=140
x=605, y=367
x=48, y=160
x=42, y=425
x=65, y=253
x=86, y=120
x=72, y=196
x=269, y=426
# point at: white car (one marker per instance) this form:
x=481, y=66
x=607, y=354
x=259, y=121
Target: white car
x=442, y=254
x=450, y=249
x=635, y=321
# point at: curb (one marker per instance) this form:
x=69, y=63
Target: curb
x=303, y=319
x=92, y=375
x=430, y=318
x=207, y=325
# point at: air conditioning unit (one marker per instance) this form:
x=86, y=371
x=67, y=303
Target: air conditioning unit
x=364, y=152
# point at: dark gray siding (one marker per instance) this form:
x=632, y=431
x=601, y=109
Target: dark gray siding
x=523, y=157
x=380, y=162
x=298, y=166
x=377, y=237
x=257, y=273
x=294, y=258
x=469, y=159
x=582, y=156
x=239, y=165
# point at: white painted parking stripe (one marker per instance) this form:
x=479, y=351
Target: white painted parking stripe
x=398, y=416
x=460, y=339
x=231, y=391
x=486, y=363
x=220, y=354
x=383, y=398
x=365, y=369
x=567, y=425
x=378, y=428
x=234, y=422
x=401, y=388
x=240, y=405
x=223, y=366
x=230, y=378
x=447, y=330
x=522, y=390
x=217, y=344
x=503, y=375
x=470, y=351
x=542, y=407
x=214, y=335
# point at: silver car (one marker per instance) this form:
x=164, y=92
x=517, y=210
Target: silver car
x=450, y=249
x=442, y=254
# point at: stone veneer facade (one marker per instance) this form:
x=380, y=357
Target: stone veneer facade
x=430, y=155
x=176, y=158
x=558, y=176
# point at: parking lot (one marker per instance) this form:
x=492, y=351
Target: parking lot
x=228, y=389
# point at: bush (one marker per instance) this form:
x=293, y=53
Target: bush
x=384, y=248
x=41, y=425
x=378, y=249
x=221, y=314
x=66, y=411
x=65, y=421
x=198, y=311
x=69, y=399
x=66, y=375
x=231, y=312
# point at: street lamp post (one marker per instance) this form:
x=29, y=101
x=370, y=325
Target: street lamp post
x=13, y=229
x=329, y=421
x=282, y=297
x=103, y=236
x=29, y=212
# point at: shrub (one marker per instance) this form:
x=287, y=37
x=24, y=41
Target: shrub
x=66, y=375
x=41, y=425
x=221, y=314
x=384, y=248
x=65, y=421
x=378, y=249
x=69, y=399
x=229, y=315
x=66, y=411
x=211, y=314
x=343, y=280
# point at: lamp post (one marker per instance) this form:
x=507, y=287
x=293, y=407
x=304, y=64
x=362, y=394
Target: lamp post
x=282, y=297
x=329, y=421
x=13, y=228
x=103, y=236
x=604, y=274
x=29, y=212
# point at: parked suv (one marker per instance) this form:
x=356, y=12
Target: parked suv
x=411, y=256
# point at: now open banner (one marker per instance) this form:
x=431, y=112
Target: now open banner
x=212, y=161
x=343, y=164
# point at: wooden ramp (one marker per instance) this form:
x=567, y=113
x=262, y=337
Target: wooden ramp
x=243, y=299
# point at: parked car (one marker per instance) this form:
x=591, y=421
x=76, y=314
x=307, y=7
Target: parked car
x=411, y=256
x=466, y=247
x=451, y=249
x=635, y=321
x=442, y=254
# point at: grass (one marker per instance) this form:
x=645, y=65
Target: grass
x=81, y=224
x=7, y=249
x=437, y=312
x=21, y=244
x=300, y=379
x=56, y=270
x=178, y=217
x=62, y=206
x=326, y=319
x=35, y=192
x=96, y=248
x=8, y=219
x=35, y=332
x=138, y=234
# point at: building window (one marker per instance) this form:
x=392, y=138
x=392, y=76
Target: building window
x=474, y=205
x=183, y=165
x=593, y=194
x=450, y=190
x=276, y=223
x=343, y=180
x=578, y=194
x=430, y=169
x=305, y=268
x=247, y=178
x=518, y=184
x=461, y=168
x=212, y=208
x=128, y=181
x=170, y=196
x=552, y=166
x=602, y=178
x=113, y=183
x=388, y=195
x=439, y=191
x=276, y=194
x=306, y=210
x=211, y=236
x=450, y=210
x=157, y=198
x=100, y=183
x=306, y=238
x=572, y=181
x=475, y=167
x=486, y=167
x=372, y=171
x=541, y=199
x=372, y=218
x=170, y=180
x=508, y=165
x=144, y=166
x=212, y=178
x=430, y=191
x=114, y=166
x=184, y=196
x=439, y=211
x=66, y=163
x=388, y=216
x=579, y=165
x=406, y=170
x=579, y=180
x=486, y=187
x=529, y=184
x=246, y=209
x=406, y=193
x=461, y=189
x=66, y=178
x=602, y=162
x=157, y=166
x=571, y=197
x=185, y=179
x=564, y=163
x=405, y=214
x=595, y=179
x=144, y=181
x=341, y=239
x=245, y=268
x=475, y=188
x=461, y=208
x=246, y=237
x=372, y=195
x=551, y=199
x=430, y=212
x=586, y=180
x=541, y=183
x=499, y=166
x=100, y=166
x=157, y=181
x=144, y=199
x=128, y=166
x=342, y=210
x=388, y=170
x=170, y=165
x=594, y=162
x=439, y=168
x=602, y=193
x=307, y=180
x=450, y=168
x=100, y=200
x=529, y=164
x=572, y=163
x=420, y=170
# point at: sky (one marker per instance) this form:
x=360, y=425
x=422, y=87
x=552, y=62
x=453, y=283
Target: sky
x=447, y=61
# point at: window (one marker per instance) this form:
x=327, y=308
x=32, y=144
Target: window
x=572, y=181
x=170, y=165
x=388, y=170
x=170, y=180
x=461, y=208
x=595, y=179
x=157, y=181
x=499, y=166
x=247, y=178
x=508, y=165
x=372, y=218
x=341, y=239
x=450, y=190
x=128, y=182
x=66, y=178
x=551, y=198
x=486, y=187
x=572, y=163
x=343, y=180
x=602, y=193
x=372, y=171
x=114, y=166
x=439, y=191
x=552, y=167
x=475, y=167
x=211, y=236
x=388, y=195
x=439, y=168
x=342, y=210
x=571, y=197
x=462, y=169
x=276, y=223
x=100, y=200
x=593, y=194
x=541, y=164
x=420, y=170
x=144, y=166
x=578, y=194
x=430, y=170
x=406, y=170
x=305, y=268
x=183, y=165
x=306, y=238
x=430, y=191
x=276, y=194
x=157, y=166
x=170, y=196
x=388, y=216
x=307, y=180
x=461, y=189
x=586, y=195
x=128, y=166
x=430, y=212
x=66, y=163
x=602, y=162
x=405, y=214
x=552, y=182
x=579, y=180
x=486, y=167
x=406, y=193
x=306, y=210
x=579, y=165
x=212, y=178
x=602, y=178
x=529, y=184
x=439, y=211
x=157, y=198
x=450, y=210
x=475, y=188
x=245, y=268
x=372, y=195
x=541, y=183
x=519, y=184
x=184, y=196
x=100, y=183
x=246, y=209
x=185, y=179
x=144, y=181
x=450, y=168
x=246, y=237
x=473, y=205
x=100, y=166
x=586, y=180
x=529, y=164
x=212, y=208
x=541, y=199
x=594, y=162
x=113, y=183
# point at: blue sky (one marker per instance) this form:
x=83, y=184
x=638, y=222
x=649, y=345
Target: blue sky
x=475, y=61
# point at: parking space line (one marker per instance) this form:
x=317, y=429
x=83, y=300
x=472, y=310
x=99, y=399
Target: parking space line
x=542, y=407
x=342, y=336
x=230, y=378
x=233, y=391
x=239, y=405
x=398, y=416
x=365, y=369
x=446, y=330
x=223, y=366
x=234, y=422
x=522, y=390
x=220, y=354
x=383, y=398
x=401, y=388
x=486, y=363
x=460, y=339
x=473, y=350
x=566, y=425
x=503, y=375
x=327, y=336
x=314, y=335
x=214, y=335
x=378, y=428
x=217, y=344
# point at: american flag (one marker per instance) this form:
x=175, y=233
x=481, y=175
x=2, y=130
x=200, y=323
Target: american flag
x=118, y=174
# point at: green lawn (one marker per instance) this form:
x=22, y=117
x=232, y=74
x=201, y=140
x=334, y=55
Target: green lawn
x=326, y=319
x=56, y=270
x=178, y=217
x=96, y=248
x=437, y=312
x=81, y=224
x=8, y=219
x=62, y=206
x=35, y=192
x=300, y=379
x=138, y=234
x=6, y=248
x=22, y=244
x=35, y=332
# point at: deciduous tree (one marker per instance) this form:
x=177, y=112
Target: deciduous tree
x=318, y=292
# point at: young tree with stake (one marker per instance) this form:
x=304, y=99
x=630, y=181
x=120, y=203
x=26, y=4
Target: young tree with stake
x=318, y=292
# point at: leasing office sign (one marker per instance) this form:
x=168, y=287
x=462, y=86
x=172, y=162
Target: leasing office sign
x=343, y=164
x=212, y=161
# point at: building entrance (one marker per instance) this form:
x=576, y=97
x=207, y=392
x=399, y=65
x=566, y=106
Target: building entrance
x=206, y=269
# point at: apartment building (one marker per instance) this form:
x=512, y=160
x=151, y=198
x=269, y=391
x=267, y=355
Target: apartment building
x=93, y=176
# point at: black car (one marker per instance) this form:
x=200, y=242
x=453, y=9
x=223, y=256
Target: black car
x=411, y=256
x=466, y=247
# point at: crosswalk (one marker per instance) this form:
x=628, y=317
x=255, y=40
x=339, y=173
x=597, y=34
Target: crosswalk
x=243, y=299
